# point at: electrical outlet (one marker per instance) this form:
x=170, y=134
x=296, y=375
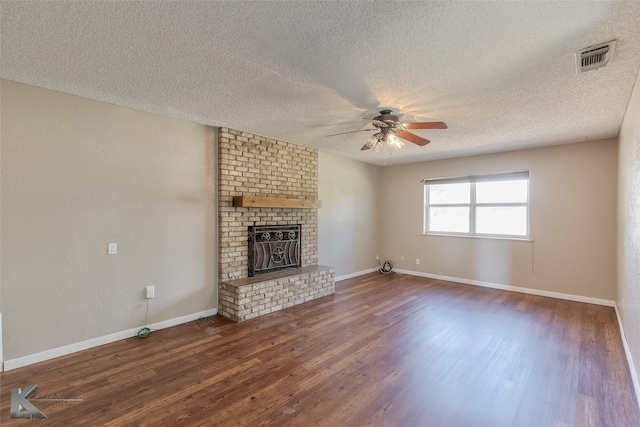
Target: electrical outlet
x=377, y=257
x=112, y=249
x=417, y=260
x=151, y=292
x=401, y=257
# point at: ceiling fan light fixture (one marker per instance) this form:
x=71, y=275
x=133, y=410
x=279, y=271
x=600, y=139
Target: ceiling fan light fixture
x=375, y=141
x=394, y=142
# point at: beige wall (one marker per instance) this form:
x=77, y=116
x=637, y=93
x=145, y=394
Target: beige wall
x=348, y=222
x=573, y=221
x=78, y=174
x=628, y=289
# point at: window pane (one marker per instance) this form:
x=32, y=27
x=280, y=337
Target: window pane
x=502, y=191
x=449, y=219
x=444, y=194
x=502, y=220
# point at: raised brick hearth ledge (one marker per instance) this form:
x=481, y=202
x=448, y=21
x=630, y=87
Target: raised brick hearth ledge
x=250, y=297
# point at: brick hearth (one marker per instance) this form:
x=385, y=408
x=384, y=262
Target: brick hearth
x=244, y=299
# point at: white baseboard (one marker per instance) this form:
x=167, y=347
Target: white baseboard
x=1, y=358
x=559, y=295
x=356, y=274
x=627, y=353
x=106, y=339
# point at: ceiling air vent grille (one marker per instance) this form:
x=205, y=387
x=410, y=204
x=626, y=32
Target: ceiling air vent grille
x=594, y=57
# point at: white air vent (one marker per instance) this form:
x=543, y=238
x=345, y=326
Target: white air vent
x=594, y=57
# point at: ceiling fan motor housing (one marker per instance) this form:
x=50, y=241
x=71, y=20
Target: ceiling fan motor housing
x=389, y=120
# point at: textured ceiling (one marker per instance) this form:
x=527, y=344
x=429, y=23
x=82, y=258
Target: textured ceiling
x=500, y=74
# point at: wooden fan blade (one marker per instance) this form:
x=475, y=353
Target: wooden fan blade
x=365, y=147
x=425, y=125
x=353, y=131
x=412, y=138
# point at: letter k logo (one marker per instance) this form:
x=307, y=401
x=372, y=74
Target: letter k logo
x=21, y=407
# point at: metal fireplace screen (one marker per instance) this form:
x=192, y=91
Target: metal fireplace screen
x=273, y=248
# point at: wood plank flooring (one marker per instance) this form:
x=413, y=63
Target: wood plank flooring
x=385, y=350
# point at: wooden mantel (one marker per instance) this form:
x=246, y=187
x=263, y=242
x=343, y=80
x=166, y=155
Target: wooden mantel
x=249, y=201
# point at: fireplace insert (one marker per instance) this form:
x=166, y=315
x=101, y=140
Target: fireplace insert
x=273, y=248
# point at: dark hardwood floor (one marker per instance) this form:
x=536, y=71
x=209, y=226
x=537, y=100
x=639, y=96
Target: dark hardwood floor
x=386, y=350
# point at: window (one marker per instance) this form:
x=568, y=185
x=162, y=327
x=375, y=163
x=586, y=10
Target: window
x=483, y=205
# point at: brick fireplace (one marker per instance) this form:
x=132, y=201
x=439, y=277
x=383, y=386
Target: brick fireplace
x=259, y=166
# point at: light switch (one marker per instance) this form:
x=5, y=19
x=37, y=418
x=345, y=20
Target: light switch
x=113, y=249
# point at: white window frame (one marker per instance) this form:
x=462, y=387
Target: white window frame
x=472, y=205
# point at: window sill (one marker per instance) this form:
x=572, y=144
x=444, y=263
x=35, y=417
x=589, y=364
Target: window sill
x=467, y=236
